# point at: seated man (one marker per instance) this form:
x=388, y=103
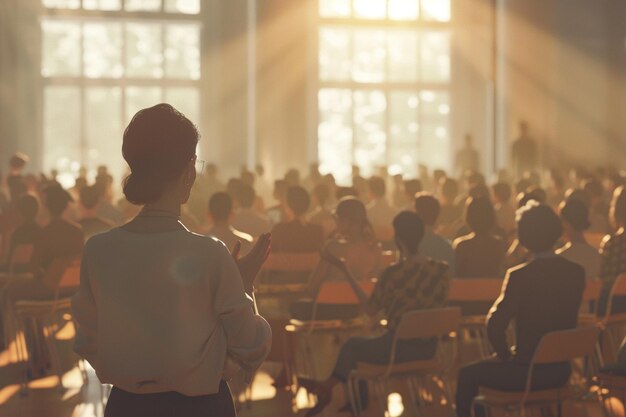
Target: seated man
x=27, y=231
x=90, y=221
x=433, y=245
x=399, y=290
x=247, y=218
x=221, y=214
x=542, y=296
x=379, y=211
x=297, y=235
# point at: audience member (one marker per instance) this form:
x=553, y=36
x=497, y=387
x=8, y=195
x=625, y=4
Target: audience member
x=524, y=152
x=27, y=232
x=411, y=188
x=598, y=209
x=247, y=218
x=433, y=245
x=467, y=158
x=613, y=252
x=379, y=211
x=575, y=218
x=297, y=235
x=221, y=213
x=539, y=297
x=278, y=212
x=479, y=254
x=397, y=292
x=91, y=223
x=321, y=214
x=505, y=212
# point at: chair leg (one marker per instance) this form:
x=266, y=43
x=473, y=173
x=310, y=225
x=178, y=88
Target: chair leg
x=353, y=395
x=382, y=398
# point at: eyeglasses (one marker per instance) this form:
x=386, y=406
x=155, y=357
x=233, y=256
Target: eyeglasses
x=199, y=166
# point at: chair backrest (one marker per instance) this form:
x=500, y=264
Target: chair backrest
x=475, y=289
x=291, y=262
x=617, y=290
x=63, y=273
x=22, y=255
x=341, y=292
x=595, y=239
x=426, y=324
x=566, y=345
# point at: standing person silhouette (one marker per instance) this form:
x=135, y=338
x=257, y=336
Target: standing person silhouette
x=524, y=152
x=161, y=311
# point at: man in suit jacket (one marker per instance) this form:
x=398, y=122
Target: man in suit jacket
x=542, y=296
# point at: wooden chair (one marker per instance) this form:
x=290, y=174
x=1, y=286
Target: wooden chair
x=613, y=322
x=64, y=274
x=420, y=324
x=595, y=239
x=554, y=347
x=591, y=296
x=292, y=267
x=475, y=290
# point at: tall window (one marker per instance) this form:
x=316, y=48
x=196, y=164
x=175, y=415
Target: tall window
x=102, y=61
x=384, y=75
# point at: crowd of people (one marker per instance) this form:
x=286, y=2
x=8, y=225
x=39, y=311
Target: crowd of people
x=528, y=228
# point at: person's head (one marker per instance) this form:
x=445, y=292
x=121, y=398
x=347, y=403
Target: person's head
x=80, y=183
x=474, y=179
x=449, y=190
x=439, y=175
x=89, y=197
x=408, y=231
x=17, y=162
x=427, y=207
x=538, y=227
x=298, y=200
x=292, y=177
x=247, y=177
x=617, y=212
x=478, y=191
x=220, y=207
x=352, y=219
x=280, y=190
x=580, y=195
x=27, y=206
x=502, y=192
x=321, y=194
x=159, y=145
x=56, y=200
x=531, y=194
x=377, y=187
x=247, y=196
x=595, y=190
x=412, y=187
x=233, y=188
x=480, y=215
x=574, y=215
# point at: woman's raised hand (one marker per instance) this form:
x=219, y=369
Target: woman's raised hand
x=250, y=264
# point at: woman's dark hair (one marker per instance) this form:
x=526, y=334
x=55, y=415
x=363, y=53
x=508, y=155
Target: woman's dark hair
x=538, y=227
x=409, y=230
x=352, y=210
x=575, y=213
x=480, y=215
x=427, y=207
x=158, y=143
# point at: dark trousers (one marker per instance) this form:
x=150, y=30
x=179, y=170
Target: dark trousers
x=504, y=376
x=377, y=350
x=170, y=404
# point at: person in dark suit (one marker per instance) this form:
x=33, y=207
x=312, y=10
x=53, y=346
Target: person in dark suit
x=542, y=296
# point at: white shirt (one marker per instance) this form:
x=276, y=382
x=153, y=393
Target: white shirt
x=584, y=255
x=164, y=311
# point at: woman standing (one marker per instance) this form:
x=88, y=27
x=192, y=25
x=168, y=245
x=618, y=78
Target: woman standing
x=161, y=310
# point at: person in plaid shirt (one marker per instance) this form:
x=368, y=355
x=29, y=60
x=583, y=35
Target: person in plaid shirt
x=613, y=251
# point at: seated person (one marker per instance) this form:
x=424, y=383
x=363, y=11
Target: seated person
x=479, y=254
x=354, y=242
x=321, y=214
x=451, y=214
x=221, y=214
x=400, y=289
x=613, y=252
x=540, y=296
x=247, y=219
x=505, y=211
x=575, y=218
x=379, y=211
x=90, y=221
x=517, y=254
x=433, y=245
x=297, y=235
x=28, y=230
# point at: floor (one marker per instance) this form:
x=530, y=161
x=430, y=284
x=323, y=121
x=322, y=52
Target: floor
x=46, y=398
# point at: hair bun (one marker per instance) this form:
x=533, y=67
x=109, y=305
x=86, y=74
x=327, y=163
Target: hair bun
x=142, y=190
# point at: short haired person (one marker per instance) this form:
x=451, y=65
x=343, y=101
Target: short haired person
x=28, y=230
x=247, y=218
x=221, y=214
x=540, y=296
x=398, y=290
x=433, y=245
x=297, y=235
x=161, y=310
x=90, y=221
x=479, y=254
x=575, y=218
